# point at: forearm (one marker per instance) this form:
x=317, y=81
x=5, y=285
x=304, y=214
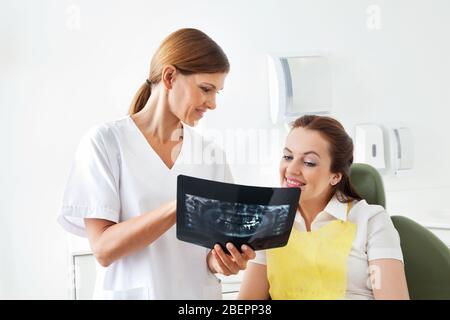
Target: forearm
x=388, y=280
x=124, y=238
x=255, y=285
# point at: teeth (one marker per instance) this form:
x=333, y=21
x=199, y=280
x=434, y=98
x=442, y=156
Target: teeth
x=295, y=183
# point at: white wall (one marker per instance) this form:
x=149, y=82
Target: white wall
x=57, y=80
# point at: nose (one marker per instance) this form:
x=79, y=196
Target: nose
x=211, y=103
x=294, y=169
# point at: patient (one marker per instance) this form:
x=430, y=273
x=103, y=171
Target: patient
x=340, y=247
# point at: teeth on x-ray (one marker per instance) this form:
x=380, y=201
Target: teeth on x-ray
x=234, y=219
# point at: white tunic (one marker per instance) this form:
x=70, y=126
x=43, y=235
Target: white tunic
x=376, y=238
x=117, y=176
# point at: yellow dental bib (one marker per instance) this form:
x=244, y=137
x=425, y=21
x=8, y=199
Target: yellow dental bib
x=313, y=265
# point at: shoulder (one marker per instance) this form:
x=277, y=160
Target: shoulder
x=368, y=215
x=105, y=132
x=362, y=209
x=102, y=138
x=374, y=219
x=377, y=230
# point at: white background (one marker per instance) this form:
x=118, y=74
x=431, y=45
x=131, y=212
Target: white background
x=58, y=78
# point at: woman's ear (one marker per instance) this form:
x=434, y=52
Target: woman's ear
x=168, y=75
x=335, y=178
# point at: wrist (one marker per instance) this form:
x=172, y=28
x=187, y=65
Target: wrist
x=171, y=211
x=209, y=263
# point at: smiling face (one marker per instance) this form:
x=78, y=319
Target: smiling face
x=190, y=96
x=306, y=165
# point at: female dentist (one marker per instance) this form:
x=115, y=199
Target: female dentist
x=121, y=187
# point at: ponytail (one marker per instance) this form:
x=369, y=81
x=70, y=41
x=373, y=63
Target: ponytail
x=140, y=98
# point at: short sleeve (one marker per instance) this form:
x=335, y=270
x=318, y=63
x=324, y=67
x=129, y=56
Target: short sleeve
x=92, y=187
x=383, y=241
x=260, y=257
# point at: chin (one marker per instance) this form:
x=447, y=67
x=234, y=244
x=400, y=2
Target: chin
x=304, y=197
x=190, y=122
x=193, y=123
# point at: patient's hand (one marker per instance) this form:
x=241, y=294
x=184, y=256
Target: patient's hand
x=220, y=262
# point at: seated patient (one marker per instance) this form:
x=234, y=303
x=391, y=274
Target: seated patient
x=340, y=247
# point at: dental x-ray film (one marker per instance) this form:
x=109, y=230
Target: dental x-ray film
x=210, y=212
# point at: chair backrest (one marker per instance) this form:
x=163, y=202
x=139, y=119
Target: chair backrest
x=426, y=257
x=368, y=183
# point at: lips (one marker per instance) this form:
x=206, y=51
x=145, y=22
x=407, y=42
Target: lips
x=294, y=183
x=200, y=112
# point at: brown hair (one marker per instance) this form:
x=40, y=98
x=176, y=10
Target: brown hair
x=340, y=149
x=190, y=51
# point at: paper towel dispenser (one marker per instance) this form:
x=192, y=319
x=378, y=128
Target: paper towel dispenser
x=402, y=155
x=388, y=148
x=298, y=85
x=369, y=145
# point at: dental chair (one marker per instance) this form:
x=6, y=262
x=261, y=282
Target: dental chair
x=426, y=257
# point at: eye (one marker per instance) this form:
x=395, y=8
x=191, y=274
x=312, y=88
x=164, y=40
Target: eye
x=288, y=158
x=309, y=164
x=206, y=90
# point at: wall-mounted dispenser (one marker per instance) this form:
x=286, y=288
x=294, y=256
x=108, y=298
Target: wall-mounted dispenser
x=401, y=149
x=298, y=85
x=369, y=145
x=388, y=148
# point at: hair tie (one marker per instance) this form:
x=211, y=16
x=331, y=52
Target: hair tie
x=148, y=82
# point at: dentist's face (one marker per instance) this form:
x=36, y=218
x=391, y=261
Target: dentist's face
x=192, y=95
x=306, y=165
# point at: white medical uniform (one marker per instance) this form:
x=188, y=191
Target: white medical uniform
x=376, y=238
x=117, y=176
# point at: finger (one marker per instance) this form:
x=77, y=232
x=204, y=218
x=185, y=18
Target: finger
x=222, y=268
x=249, y=253
x=226, y=259
x=240, y=261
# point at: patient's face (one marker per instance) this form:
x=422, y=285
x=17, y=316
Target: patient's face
x=306, y=165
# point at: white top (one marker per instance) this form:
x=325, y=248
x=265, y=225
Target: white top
x=116, y=176
x=376, y=238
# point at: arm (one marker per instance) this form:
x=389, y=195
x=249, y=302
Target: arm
x=388, y=279
x=110, y=241
x=255, y=285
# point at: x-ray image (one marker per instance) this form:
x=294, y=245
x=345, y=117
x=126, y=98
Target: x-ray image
x=210, y=212
x=234, y=219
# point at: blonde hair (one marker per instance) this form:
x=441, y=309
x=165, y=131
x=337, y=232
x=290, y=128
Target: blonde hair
x=190, y=51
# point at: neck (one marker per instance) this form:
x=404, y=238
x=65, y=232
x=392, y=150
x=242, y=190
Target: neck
x=156, y=119
x=309, y=209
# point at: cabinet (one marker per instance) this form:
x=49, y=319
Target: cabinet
x=83, y=275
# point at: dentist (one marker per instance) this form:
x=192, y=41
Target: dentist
x=121, y=187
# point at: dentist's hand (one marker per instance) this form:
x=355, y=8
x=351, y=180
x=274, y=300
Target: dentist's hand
x=220, y=262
